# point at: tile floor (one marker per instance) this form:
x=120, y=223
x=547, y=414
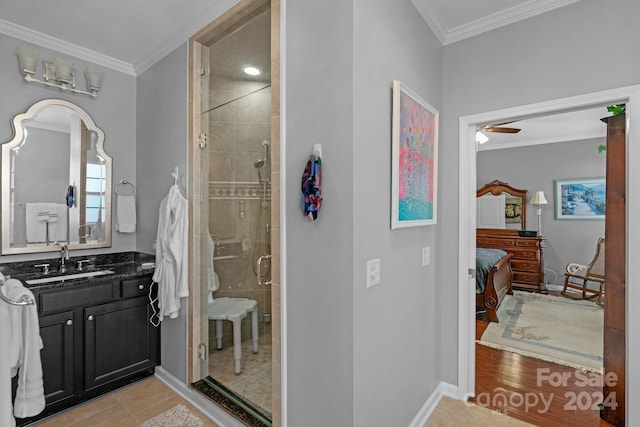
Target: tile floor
x=253, y=384
x=132, y=405
x=126, y=407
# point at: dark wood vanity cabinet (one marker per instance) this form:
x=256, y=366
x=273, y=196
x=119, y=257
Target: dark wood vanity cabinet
x=97, y=337
x=58, y=361
x=118, y=341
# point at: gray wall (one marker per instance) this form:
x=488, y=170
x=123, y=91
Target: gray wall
x=319, y=255
x=395, y=327
x=535, y=168
x=582, y=48
x=162, y=134
x=114, y=111
x=357, y=356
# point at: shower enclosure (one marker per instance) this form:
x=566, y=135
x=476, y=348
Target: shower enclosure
x=235, y=191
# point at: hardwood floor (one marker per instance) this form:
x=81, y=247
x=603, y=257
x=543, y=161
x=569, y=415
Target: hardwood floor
x=527, y=387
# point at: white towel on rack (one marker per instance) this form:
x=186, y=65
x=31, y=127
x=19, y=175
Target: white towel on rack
x=20, y=354
x=126, y=213
x=36, y=217
x=58, y=229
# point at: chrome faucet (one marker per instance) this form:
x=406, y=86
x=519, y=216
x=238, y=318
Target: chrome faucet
x=64, y=256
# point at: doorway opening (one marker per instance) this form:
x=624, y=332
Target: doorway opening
x=467, y=222
x=231, y=157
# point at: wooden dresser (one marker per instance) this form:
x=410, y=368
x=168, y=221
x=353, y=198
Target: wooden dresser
x=527, y=263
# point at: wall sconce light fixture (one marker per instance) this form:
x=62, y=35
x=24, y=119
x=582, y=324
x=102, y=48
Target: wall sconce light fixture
x=58, y=73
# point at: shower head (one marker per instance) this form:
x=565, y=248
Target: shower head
x=258, y=164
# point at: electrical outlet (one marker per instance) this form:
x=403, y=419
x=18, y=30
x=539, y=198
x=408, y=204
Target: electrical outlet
x=426, y=256
x=373, y=272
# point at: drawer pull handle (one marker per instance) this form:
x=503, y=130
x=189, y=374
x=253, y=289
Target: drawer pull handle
x=90, y=318
x=141, y=287
x=69, y=322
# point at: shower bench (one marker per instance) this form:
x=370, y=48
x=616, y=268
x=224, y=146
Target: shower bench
x=235, y=309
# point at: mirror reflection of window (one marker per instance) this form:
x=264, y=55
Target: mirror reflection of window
x=95, y=193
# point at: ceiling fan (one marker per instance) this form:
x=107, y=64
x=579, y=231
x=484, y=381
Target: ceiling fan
x=499, y=128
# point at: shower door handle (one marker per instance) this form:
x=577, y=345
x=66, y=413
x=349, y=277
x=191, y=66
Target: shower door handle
x=259, y=270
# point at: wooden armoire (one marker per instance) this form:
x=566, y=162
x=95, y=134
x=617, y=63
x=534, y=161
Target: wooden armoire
x=615, y=273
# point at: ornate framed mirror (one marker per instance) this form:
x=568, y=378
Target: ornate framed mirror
x=56, y=181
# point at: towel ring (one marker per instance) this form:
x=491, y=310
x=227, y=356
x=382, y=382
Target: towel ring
x=25, y=300
x=124, y=183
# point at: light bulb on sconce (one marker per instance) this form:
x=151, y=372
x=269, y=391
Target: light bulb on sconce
x=28, y=60
x=93, y=78
x=58, y=73
x=64, y=72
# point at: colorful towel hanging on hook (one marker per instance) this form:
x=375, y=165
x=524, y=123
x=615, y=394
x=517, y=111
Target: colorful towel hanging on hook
x=311, y=181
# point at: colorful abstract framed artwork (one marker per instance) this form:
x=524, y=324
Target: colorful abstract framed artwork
x=414, y=169
x=581, y=199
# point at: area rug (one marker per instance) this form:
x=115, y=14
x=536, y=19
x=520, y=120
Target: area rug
x=178, y=416
x=556, y=329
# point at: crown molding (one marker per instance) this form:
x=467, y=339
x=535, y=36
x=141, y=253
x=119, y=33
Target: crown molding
x=184, y=32
x=43, y=40
x=432, y=18
x=487, y=23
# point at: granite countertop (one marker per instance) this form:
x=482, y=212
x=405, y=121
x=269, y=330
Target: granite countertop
x=125, y=265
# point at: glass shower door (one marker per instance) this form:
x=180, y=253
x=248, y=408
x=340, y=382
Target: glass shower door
x=236, y=216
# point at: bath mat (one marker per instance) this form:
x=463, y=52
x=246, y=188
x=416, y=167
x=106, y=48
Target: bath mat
x=556, y=329
x=178, y=416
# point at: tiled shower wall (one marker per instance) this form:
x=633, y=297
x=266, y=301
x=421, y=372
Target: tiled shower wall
x=239, y=123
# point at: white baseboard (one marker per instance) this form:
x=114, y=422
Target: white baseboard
x=203, y=404
x=443, y=389
x=556, y=288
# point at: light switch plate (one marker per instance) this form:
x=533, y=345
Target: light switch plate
x=373, y=272
x=426, y=256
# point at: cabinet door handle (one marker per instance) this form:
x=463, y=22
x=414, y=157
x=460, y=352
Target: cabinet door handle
x=90, y=317
x=69, y=322
x=141, y=287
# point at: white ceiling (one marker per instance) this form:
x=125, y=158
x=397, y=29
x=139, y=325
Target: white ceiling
x=570, y=126
x=131, y=35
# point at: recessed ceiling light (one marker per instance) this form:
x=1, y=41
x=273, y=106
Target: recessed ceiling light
x=251, y=70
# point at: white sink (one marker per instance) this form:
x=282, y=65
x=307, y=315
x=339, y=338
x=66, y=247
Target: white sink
x=68, y=277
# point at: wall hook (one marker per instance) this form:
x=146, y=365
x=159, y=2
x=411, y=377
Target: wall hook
x=176, y=176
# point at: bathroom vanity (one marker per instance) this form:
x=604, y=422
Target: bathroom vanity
x=95, y=330
x=94, y=310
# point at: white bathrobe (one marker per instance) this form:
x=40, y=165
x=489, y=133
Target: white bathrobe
x=171, y=272
x=20, y=354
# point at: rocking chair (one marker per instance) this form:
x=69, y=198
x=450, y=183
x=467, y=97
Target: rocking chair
x=579, y=277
